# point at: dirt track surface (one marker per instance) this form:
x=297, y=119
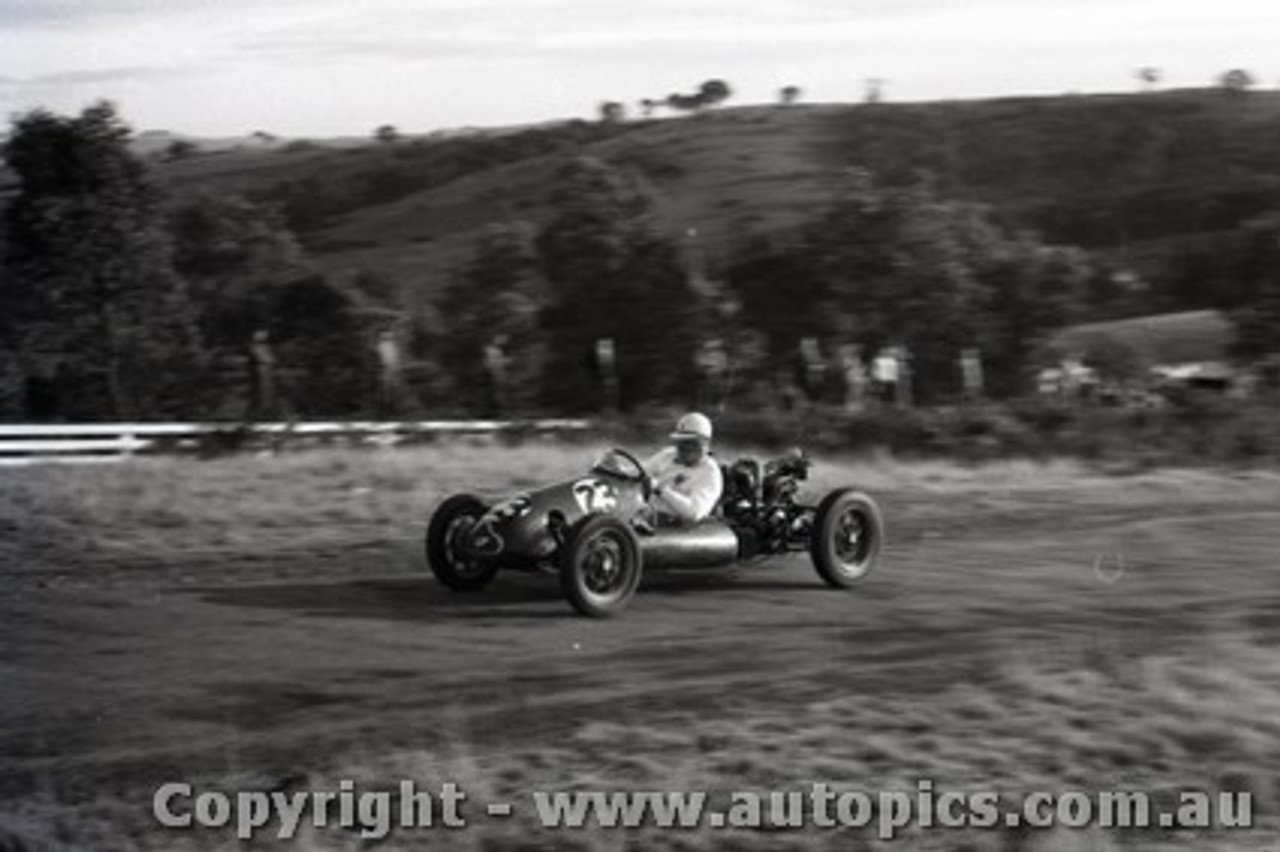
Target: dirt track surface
x=295, y=665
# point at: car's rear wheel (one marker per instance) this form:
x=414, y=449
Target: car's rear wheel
x=447, y=552
x=600, y=566
x=848, y=532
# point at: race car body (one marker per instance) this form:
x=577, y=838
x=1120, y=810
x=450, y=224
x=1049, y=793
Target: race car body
x=594, y=531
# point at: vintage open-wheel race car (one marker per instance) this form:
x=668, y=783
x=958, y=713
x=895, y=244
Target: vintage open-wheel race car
x=592, y=531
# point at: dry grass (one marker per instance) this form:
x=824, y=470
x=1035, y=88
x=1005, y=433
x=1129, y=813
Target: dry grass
x=158, y=509
x=1031, y=677
x=1208, y=720
x=151, y=510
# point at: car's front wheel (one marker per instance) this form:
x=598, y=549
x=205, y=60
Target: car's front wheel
x=446, y=545
x=600, y=566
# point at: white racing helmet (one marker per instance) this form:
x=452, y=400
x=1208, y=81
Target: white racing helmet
x=693, y=426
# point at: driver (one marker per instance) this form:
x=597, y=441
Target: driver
x=686, y=479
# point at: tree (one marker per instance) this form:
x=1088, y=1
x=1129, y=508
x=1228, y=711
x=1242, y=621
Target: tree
x=1237, y=81
x=780, y=292
x=788, y=95
x=92, y=270
x=13, y=378
x=235, y=255
x=181, y=149
x=612, y=274
x=387, y=134
x=1255, y=325
x=499, y=295
x=323, y=349
x=247, y=274
x=710, y=93
x=683, y=103
x=713, y=92
x=1149, y=76
x=874, y=90
x=612, y=112
x=377, y=288
x=647, y=106
x=889, y=266
x=1253, y=266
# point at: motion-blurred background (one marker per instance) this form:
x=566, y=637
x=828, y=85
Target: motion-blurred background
x=1119, y=249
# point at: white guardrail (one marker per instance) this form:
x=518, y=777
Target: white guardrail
x=22, y=443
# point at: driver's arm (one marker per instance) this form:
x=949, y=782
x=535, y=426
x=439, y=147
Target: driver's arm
x=695, y=500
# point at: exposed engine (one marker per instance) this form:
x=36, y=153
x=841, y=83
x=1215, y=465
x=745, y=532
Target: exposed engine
x=760, y=504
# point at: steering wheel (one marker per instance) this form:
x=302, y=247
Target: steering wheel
x=640, y=475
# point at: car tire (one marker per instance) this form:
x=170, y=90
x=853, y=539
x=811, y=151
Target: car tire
x=454, y=517
x=600, y=566
x=848, y=533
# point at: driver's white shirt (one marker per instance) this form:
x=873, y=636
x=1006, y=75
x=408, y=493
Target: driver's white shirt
x=689, y=492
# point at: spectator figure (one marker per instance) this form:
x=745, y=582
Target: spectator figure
x=1078, y=380
x=784, y=389
x=496, y=362
x=1049, y=381
x=390, y=363
x=607, y=369
x=712, y=362
x=262, y=378
x=854, y=373
x=905, y=397
x=971, y=374
x=884, y=373
x=813, y=369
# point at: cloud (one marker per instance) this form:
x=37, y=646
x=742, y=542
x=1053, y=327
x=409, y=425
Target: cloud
x=328, y=32
x=74, y=78
x=89, y=76
x=558, y=29
x=74, y=88
x=82, y=14
x=328, y=62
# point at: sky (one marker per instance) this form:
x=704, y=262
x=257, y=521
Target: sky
x=323, y=68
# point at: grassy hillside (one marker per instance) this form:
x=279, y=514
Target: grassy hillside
x=1107, y=170
x=413, y=209
x=1129, y=174
x=1190, y=336
x=722, y=174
